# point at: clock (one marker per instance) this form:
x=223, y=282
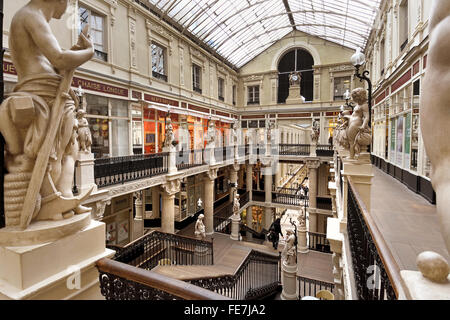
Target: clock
x=295, y=77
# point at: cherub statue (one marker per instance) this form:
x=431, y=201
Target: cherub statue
x=200, y=231
x=341, y=129
x=210, y=134
x=358, y=131
x=84, y=133
x=236, y=204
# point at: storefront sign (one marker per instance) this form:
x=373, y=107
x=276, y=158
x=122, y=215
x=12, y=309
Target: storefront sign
x=152, y=98
x=99, y=87
x=197, y=108
x=295, y=115
x=380, y=97
x=136, y=95
x=9, y=68
x=403, y=79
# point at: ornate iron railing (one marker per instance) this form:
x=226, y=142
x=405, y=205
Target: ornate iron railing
x=294, y=149
x=324, y=203
x=258, y=195
x=372, y=280
x=258, y=276
x=117, y=170
x=319, y=242
x=324, y=150
x=119, y=281
x=189, y=158
x=147, y=251
x=310, y=287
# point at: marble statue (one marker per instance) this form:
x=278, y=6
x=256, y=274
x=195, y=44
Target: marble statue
x=358, y=132
x=84, y=133
x=200, y=231
x=289, y=251
x=236, y=204
x=234, y=132
x=340, y=133
x=210, y=135
x=38, y=119
x=434, y=111
x=315, y=131
x=302, y=218
x=169, y=137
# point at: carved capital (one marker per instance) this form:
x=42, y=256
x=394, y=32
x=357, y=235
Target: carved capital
x=313, y=164
x=171, y=187
x=99, y=209
x=211, y=174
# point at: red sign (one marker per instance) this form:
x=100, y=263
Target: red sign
x=380, y=97
x=397, y=84
x=197, y=108
x=99, y=87
x=253, y=117
x=416, y=68
x=9, y=68
x=332, y=114
x=136, y=95
x=151, y=98
x=295, y=115
x=222, y=114
x=425, y=61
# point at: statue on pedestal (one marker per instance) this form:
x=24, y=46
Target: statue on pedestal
x=236, y=204
x=38, y=119
x=84, y=133
x=200, y=231
x=295, y=78
x=358, y=131
x=315, y=131
x=340, y=132
x=290, y=251
x=210, y=135
x=169, y=137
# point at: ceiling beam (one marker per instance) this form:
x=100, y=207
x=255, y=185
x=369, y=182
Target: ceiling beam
x=289, y=14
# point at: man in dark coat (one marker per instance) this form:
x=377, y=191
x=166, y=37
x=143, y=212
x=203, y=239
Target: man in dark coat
x=274, y=231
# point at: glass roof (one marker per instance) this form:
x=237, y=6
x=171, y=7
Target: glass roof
x=239, y=30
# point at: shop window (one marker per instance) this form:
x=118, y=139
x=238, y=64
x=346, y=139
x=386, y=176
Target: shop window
x=341, y=84
x=253, y=95
x=120, y=136
x=196, y=78
x=96, y=24
x=159, y=62
x=119, y=108
x=100, y=137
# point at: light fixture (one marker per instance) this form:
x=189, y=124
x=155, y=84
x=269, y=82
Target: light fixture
x=358, y=59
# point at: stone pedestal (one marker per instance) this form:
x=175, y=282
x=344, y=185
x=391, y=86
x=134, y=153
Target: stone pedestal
x=302, y=245
x=312, y=150
x=289, y=281
x=361, y=173
x=84, y=172
x=60, y=269
x=138, y=228
x=417, y=287
x=294, y=95
x=235, y=220
x=172, y=159
x=336, y=239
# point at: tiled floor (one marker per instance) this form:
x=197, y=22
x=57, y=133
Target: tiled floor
x=408, y=222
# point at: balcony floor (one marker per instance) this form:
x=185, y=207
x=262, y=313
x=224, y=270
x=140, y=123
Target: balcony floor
x=408, y=222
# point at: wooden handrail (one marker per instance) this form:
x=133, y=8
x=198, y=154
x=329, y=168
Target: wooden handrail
x=151, y=279
x=391, y=266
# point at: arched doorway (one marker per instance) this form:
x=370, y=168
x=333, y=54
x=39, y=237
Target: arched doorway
x=296, y=60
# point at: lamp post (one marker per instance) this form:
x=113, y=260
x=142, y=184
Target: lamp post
x=358, y=60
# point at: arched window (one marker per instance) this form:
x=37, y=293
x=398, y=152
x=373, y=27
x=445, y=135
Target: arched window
x=296, y=60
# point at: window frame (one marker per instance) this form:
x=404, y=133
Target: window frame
x=155, y=74
x=100, y=55
x=252, y=97
x=196, y=71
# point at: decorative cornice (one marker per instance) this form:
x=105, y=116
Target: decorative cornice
x=171, y=187
x=211, y=174
x=313, y=164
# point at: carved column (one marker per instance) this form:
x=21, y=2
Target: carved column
x=155, y=202
x=170, y=189
x=208, y=197
x=138, y=230
x=249, y=180
x=233, y=173
x=268, y=213
x=312, y=179
x=249, y=222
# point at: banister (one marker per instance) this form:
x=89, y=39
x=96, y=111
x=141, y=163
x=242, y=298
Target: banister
x=151, y=279
x=391, y=266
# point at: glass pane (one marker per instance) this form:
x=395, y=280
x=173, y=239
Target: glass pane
x=100, y=137
x=120, y=135
x=96, y=105
x=119, y=108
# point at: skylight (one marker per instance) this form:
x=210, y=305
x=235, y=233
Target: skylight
x=239, y=30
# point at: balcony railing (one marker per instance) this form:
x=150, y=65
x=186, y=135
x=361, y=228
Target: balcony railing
x=371, y=256
x=324, y=203
x=294, y=149
x=324, y=150
x=189, y=158
x=319, y=242
x=119, y=281
x=147, y=251
x=244, y=198
x=258, y=276
x=310, y=287
x=259, y=196
x=117, y=170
